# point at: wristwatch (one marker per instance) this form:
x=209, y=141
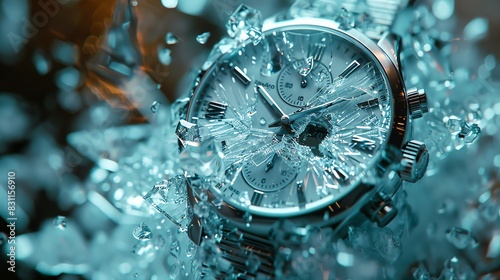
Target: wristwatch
x=306, y=119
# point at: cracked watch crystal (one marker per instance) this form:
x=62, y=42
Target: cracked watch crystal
x=301, y=116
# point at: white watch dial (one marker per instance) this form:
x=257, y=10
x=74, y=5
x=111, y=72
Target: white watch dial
x=301, y=116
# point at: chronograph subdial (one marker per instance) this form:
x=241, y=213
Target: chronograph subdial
x=296, y=89
x=268, y=176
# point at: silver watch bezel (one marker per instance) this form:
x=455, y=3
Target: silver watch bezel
x=360, y=194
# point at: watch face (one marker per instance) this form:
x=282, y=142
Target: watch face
x=301, y=117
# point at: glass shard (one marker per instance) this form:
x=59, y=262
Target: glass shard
x=142, y=232
x=169, y=197
x=155, y=106
x=60, y=222
x=171, y=38
x=203, y=38
x=245, y=23
x=205, y=158
x=460, y=238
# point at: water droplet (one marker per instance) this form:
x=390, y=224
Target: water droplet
x=247, y=217
x=169, y=3
x=244, y=198
x=191, y=250
x=262, y=121
x=203, y=38
x=60, y=222
x=159, y=242
x=460, y=238
x=142, y=232
x=202, y=209
x=175, y=249
x=171, y=38
x=443, y=9
x=155, y=106
x=164, y=55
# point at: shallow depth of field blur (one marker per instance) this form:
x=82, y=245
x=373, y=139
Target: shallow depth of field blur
x=87, y=144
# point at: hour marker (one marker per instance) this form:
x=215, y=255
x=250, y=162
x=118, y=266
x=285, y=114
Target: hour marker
x=317, y=51
x=363, y=144
x=300, y=194
x=368, y=103
x=349, y=69
x=257, y=198
x=241, y=75
x=338, y=173
x=216, y=110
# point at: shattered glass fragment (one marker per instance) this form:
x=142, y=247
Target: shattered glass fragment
x=169, y=197
x=187, y=131
x=388, y=245
x=159, y=242
x=203, y=38
x=155, y=106
x=421, y=273
x=201, y=209
x=346, y=19
x=143, y=232
x=454, y=124
x=455, y=268
x=171, y=38
x=460, y=238
x=191, y=249
x=120, y=53
x=494, y=247
x=145, y=249
x=203, y=158
x=224, y=46
x=469, y=133
x=245, y=23
x=252, y=263
x=60, y=222
x=175, y=249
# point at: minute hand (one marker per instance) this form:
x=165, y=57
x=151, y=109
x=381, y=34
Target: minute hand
x=302, y=113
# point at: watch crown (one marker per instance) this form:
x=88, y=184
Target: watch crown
x=414, y=162
x=380, y=209
x=417, y=102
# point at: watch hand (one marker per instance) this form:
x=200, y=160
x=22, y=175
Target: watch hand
x=270, y=100
x=302, y=113
x=270, y=163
